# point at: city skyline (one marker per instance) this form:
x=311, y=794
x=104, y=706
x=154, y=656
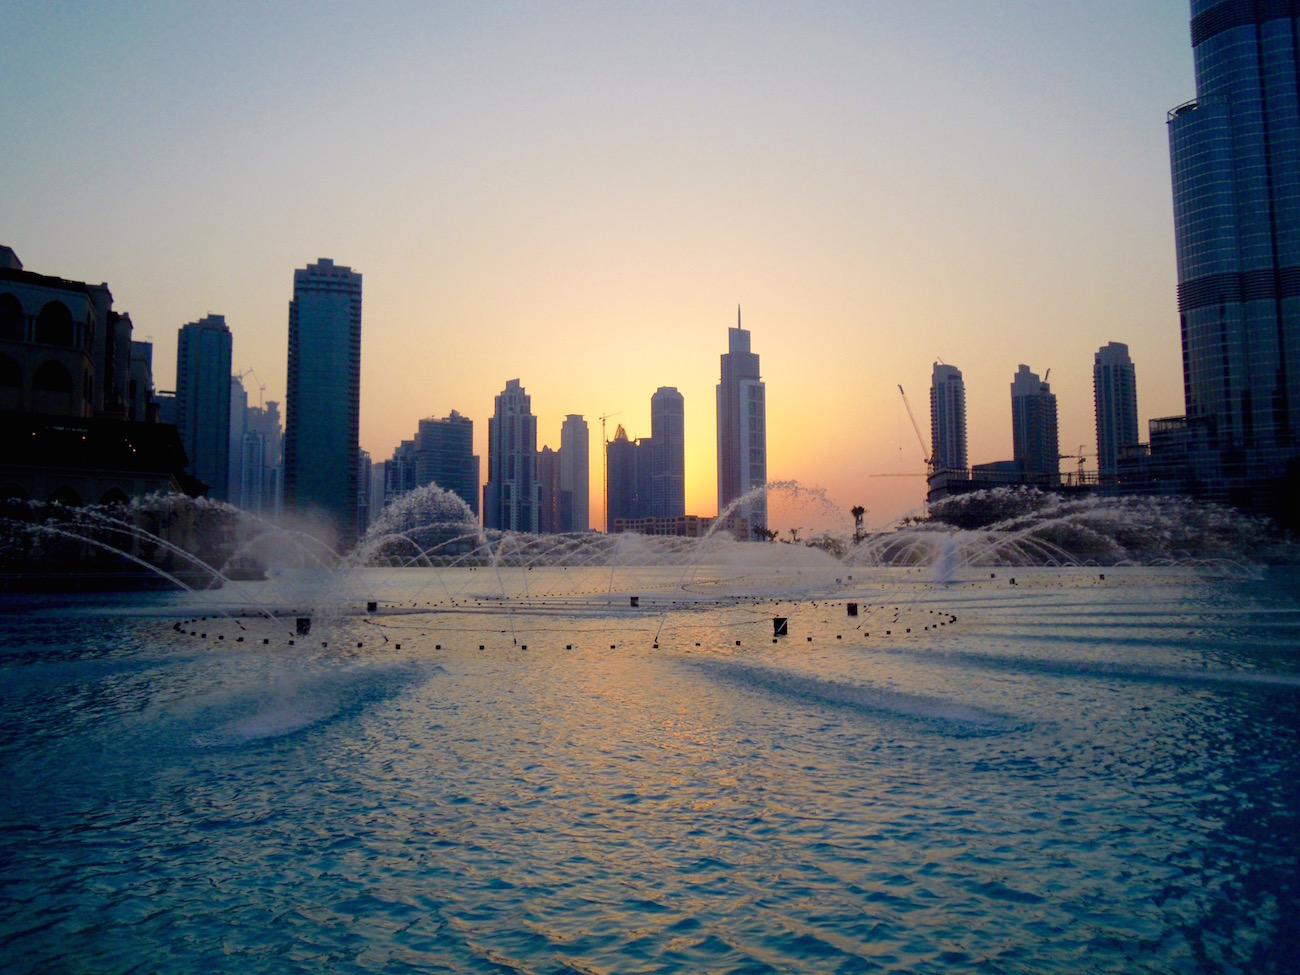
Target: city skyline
x=604, y=186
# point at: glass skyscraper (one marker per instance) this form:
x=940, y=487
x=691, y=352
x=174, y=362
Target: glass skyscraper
x=203, y=354
x=323, y=402
x=742, y=429
x=667, y=453
x=1114, y=389
x=1034, y=435
x=948, y=418
x=1235, y=157
x=512, y=495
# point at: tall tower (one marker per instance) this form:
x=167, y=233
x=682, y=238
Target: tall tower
x=575, y=475
x=948, y=418
x=203, y=355
x=1235, y=157
x=511, y=496
x=667, y=453
x=323, y=401
x=1114, y=390
x=1033, y=426
x=742, y=428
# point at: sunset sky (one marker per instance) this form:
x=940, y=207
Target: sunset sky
x=578, y=195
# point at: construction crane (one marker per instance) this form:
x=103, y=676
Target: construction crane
x=604, y=465
x=1079, y=457
x=261, y=386
x=925, y=451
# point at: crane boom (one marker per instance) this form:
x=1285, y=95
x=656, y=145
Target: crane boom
x=925, y=451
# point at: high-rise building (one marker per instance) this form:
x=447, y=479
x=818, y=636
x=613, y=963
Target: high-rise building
x=1033, y=427
x=323, y=406
x=948, y=418
x=575, y=475
x=1114, y=390
x=203, y=400
x=548, y=491
x=667, y=453
x=628, y=466
x=511, y=496
x=444, y=455
x=1235, y=156
x=742, y=429
x=400, y=472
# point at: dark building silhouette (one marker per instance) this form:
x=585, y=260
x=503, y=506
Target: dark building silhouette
x=742, y=428
x=203, y=400
x=444, y=455
x=76, y=396
x=667, y=453
x=511, y=497
x=1033, y=426
x=1114, y=390
x=323, y=401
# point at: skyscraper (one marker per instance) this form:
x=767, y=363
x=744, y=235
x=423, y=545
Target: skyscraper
x=444, y=452
x=667, y=453
x=742, y=428
x=1235, y=156
x=1033, y=427
x=948, y=418
x=511, y=496
x=323, y=402
x=1114, y=390
x=203, y=354
x=575, y=475
x=622, y=491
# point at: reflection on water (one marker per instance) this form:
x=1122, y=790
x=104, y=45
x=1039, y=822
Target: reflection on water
x=1068, y=773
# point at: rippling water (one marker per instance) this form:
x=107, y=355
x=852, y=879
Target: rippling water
x=1071, y=773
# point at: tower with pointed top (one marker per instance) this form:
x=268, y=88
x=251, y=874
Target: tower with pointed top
x=742, y=429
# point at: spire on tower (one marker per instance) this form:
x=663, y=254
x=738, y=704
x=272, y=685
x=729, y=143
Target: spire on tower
x=737, y=315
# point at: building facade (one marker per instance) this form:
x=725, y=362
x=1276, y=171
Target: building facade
x=323, y=401
x=667, y=453
x=1033, y=426
x=1235, y=159
x=511, y=497
x=444, y=455
x=575, y=475
x=742, y=429
x=1114, y=391
x=947, y=418
x=203, y=400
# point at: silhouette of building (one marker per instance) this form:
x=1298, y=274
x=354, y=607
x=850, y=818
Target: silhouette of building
x=1114, y=390
x=1235, y=158
x=574, y=475
x=444, y=455
x=1033, y=426
x=548, y=491
x=511, y=497
x=203, y=354
x=400, y=473
x=323, y=402
x=77, y=405
x=742, y=429
x=948, y=418
x=667, y=453
x=627, y=469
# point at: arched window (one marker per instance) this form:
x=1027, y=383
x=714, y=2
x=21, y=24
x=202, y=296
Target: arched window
x=54, y=325
x=114, y=496
x=11, y=319
x=12, y=492
x=65, y=495
x=52, y=377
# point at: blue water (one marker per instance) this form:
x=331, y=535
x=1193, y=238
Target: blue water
x=1069, y=774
